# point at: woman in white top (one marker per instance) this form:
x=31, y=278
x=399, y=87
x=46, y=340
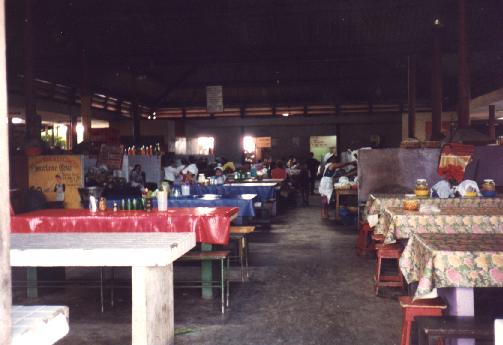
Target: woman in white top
x=171, y=172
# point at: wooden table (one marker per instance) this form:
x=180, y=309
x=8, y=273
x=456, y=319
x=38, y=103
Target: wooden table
x=338, y=193
x=150, y=255
x=42, y=325
x=210, y=224
x=452, y=265
x=377, y=204
x=400, y=224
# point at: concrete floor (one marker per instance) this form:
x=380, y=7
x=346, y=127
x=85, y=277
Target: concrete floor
x=307, y=286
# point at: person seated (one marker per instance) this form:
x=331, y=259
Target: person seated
x=292, y=162
x=279, y=172
x=137, y=177
x=228, y=167
x=219, y=175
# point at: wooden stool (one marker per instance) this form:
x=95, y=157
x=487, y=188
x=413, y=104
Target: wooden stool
x=388, y=252
x=420, y=307
x=239, y=234
x=362, y=245
x=433, y=330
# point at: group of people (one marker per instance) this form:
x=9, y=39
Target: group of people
x=298, y=175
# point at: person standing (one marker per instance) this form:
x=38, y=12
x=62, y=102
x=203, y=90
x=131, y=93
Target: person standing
x=333, y=170
x=137, y=177
x=312, y=167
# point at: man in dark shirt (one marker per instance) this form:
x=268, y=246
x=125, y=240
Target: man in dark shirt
x=312, y=166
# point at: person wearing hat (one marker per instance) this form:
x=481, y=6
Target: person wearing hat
x=219, y=175
x=326, y=189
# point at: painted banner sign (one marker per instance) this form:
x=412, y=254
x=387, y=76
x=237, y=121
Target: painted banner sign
x=58, y=177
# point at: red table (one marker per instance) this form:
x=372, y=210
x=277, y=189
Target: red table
x=211, y=224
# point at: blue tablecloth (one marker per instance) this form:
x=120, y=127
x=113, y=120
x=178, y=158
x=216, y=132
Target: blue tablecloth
x=244, y=202
x=264, y=191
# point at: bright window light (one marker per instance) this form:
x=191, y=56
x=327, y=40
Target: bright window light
x=249, y=144
x=205, y=145
x=79, y=128
x=285, y=114
x=17, y=120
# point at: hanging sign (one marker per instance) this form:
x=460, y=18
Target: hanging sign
x=214, y=99
x=111, y=156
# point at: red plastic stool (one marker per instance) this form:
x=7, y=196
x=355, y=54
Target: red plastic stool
x=420, y=307
x=362, y=245
x=388, y=252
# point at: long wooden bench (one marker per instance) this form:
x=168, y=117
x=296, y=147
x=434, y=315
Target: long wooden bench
x=222, y=256
x=432, y=329
x=41, y=324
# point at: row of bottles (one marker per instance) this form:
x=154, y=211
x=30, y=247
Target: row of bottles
x=144, y=150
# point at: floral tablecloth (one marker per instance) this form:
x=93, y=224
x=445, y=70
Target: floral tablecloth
x=400, y=224
x=465, y=260
x=377, y=203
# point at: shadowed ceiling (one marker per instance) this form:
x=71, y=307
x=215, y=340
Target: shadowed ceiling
x=263, y=52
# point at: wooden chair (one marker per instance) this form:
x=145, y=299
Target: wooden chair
x=387, y=252
x=239, y=234
x=421, y=307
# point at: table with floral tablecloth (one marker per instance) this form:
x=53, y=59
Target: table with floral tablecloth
x=377, y=203
x=463, y=260
x=400, y=224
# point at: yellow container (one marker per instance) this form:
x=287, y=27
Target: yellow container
x=422, y=190
x=471, y=194
x=410, y=203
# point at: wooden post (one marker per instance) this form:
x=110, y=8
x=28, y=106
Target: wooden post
x=5, y=275
x=73, y=132
x=412, y=95
x=463, y=68
x=492, y=122
x=207, y=271
x=436, y=84
x=135, y=110
x=32, y=120
x=85, y=97
x=152, y=310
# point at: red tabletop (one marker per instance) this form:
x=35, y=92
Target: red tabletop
x=211, y=224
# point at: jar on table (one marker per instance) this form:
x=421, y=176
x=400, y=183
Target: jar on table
x=422, y=190
x=102, y=204
x=488, y=188
x=410, y=203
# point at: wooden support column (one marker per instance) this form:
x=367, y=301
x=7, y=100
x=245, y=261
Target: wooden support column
x=152, y=310
x=85, y=96
x=73, y=132
x=411, y=96
x=436, y=84
x=492, y=122
x=32, y=120
x=463, y=68
x=135, y=110
x=5, y=273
